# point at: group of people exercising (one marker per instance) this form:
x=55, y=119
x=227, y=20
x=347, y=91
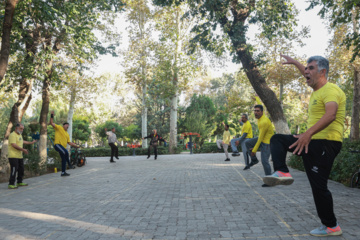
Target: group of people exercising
x=318, y=146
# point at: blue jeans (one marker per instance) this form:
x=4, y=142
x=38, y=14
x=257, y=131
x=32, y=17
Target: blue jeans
x=265, y=153
x=243, y=148
x=64, y=154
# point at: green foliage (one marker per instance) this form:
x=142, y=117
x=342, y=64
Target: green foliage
x=124, y=151
x=211, y=148
x=345, y=164
x=81, y=130
x=132, y=132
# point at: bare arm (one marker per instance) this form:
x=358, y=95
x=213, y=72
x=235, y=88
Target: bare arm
x=52, y=120
x=14, y=145
x=305, y=138
x=290, y=60
x=26, y=142
x=73, y=145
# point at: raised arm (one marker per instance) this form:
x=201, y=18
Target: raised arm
x=290, y=60
x=52, y=119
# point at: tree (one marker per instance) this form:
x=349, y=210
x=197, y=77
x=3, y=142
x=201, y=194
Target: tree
x=276, y=19
x=81, y=130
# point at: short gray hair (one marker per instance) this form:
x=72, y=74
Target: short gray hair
x=322, y=63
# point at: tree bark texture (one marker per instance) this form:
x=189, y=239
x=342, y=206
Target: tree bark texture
x=71, y=115
x=43, y=120
x=354, y=131
x=144, y=117
x=6, y=33
x=236, y=32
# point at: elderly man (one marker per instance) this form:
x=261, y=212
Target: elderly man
x=16, y=160
x=154, y=142
x=246, y=133
x=62, y=139
x=319, y=145
x=113, y=142
x=224, y=142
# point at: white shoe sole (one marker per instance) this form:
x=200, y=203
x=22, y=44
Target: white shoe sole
x=338, y=233
x=273, y=181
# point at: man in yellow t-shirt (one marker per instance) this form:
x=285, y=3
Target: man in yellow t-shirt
x=266, y=131
x=246, y=133
x=16, y=160
x=319, y=145
x=225, y=141
x=62, y=139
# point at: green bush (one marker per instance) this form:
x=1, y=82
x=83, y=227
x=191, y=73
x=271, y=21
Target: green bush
x=210, y=148
x=124, y=151
x=345, y=164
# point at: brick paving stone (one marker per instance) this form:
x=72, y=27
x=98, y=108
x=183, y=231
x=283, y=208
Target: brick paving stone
x=176, y=197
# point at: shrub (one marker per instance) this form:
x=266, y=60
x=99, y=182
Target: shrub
x=124, y=151
x=210, y=148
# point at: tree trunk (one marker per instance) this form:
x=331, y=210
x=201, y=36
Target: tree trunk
x=5, y=43
x=144, y=117
x=70, y=115
x=43, y=121
x=236, y=32
x=17, y=112
x=354, y=131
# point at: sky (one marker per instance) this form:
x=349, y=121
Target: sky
x=316, y=44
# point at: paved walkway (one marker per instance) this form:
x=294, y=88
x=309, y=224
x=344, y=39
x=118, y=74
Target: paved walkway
x=175, y=197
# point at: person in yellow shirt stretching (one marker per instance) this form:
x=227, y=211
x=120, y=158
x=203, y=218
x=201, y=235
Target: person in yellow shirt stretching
x=225, y=141
x=319, y=145
x=266, y=131
x=62, y=139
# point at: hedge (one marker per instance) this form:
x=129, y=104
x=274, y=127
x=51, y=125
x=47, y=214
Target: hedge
x=124, y=151
x=345, y=164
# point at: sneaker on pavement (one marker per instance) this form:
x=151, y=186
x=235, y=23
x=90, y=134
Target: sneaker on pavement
x=326, y=231
x=278, y=178
x=235, y=154
x=21, y=184
x=246, y=168
x=12, y=187
x=228, y=159
x=252, y=163
x=65, y=174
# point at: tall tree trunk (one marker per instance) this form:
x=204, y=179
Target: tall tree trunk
x=174, y=100
x=5, y=42
x=17, y=112
x=144, y=116
x=236, y=31
x=44, y=121
x=354, y=131
x=71, y=115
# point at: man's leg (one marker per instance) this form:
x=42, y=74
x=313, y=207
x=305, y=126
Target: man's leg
x=233, y=145
x=155, y=151
x=20, y=171
x=265, y=155
x=112, y=151
x=14, y=164
x=279, y=146
x=64, y=157
x=250, y=143
x=245, y=152
x=218, y=143
x=149, y=149
x=117, y=152
x=225, y=146
x=318, y=163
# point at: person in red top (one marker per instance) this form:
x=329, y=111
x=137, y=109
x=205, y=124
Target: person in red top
x=155, y=138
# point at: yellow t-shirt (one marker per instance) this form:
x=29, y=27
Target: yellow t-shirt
x=226, y=137
x=266, y=132
x=247, y=129
x=18, y=140
x=328, y=93
x=61, y=136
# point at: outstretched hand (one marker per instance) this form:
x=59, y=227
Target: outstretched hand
x=52, y=112
x=288, y=59
x=302, y=142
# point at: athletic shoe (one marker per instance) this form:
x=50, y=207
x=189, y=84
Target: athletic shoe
x=253, y=162
x=21, y=184
x=219, y=149
x=112, y=161
x=148, y=157
x=326, y=231
x=228, y=159
x=265, y=185
x=246, y=168
x=155, y=158
x=235, y=154
x=12, y=187
x=117, y=158
x=65, y=174
x=278, y=178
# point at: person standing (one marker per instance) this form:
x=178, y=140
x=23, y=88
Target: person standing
x=319, y=145
x=224, y=142
x=266, y=131
x=246, y=133
x=154, y=142
x=62, y=138
x=16, y=159
x=113, y=143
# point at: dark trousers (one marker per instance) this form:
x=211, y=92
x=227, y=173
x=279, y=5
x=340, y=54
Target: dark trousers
x=318, y=163
x=17, y=166
x=64, y=154
x=155, y=149
x=114, y=151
